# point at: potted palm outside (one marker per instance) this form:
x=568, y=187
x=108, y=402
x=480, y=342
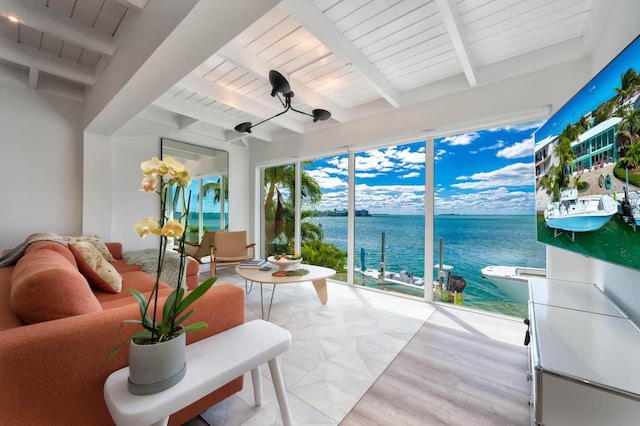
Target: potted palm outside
x=157, y=352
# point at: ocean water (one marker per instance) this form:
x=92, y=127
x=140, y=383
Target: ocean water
x=469, y=244
x=210, y=220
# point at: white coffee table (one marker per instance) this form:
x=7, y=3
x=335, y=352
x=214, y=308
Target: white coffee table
x=317, y=275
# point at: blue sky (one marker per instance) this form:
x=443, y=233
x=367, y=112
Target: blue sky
x=489, y=171
x=599, y=89
x=483, y=172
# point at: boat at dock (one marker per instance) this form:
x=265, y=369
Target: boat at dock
x=402, y=278
x=579, y=214
x=405, y=281
x=630, y=205
x=512, y=280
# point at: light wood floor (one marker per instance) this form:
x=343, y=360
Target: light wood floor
x=448, y=376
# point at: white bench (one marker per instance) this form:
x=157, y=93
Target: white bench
x=211, y=363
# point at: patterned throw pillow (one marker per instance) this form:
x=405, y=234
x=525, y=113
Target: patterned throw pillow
x=95, y=241
x=91, y=263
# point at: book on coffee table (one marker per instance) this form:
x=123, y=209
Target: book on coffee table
x=254, y=264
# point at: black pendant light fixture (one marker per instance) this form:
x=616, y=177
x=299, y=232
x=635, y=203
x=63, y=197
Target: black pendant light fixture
x=280, y=86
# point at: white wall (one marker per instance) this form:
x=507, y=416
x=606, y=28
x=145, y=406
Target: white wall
x=128, y=204
x=96, y=202
x=41, y=161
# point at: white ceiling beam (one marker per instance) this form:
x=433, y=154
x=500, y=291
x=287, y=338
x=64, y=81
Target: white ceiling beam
x=237, y=54
x=33, y=78
x=135, y=4
x=49, y=21
x=318, y=24
x=168, y=41
x=190, y=110
x=167, y=119
x=241, y=141
x=455, y=28
x=208, y=88
x=185, y=122
x=536, y=60
x=33, y=58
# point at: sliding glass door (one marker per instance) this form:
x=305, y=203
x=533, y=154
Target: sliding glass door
x=389, y=218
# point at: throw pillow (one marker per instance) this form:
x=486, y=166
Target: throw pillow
x=95, y=241
x=101, y=274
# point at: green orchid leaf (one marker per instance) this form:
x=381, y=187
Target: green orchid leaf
x=115, y=351
x=184, y=317
x=194, y=327
x=195, y=294
x=143, y=334
x=142, y=304
x=169, y=306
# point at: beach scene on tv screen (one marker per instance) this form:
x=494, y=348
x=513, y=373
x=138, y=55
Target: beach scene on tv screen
x=587, y=166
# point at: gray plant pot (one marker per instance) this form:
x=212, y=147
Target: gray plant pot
x=156, y=367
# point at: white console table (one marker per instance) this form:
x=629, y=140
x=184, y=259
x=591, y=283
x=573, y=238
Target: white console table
x=211, y=363
x=583, y=357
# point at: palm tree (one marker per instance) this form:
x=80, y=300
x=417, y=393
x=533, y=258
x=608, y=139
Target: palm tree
x=604, y=112
x=632, y=159
x=565, y=155
x=629, y=83
x=279, y=200
x=631, y=121
x=214, y=187
x=583, y=125
x=550, y=181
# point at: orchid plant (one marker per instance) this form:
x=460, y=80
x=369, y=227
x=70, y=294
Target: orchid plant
x=163, y=178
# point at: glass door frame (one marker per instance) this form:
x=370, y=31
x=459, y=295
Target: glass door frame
x=351, y=152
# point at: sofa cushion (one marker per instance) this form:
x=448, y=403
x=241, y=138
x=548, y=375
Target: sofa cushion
x=95, y=241
x=115, y=248
x=101, y=274
x=46, y=286
x=54, y=246
x=122, y=266
x=8, y=318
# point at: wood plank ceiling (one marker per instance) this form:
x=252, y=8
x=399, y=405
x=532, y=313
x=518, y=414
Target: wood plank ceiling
x=351, y=57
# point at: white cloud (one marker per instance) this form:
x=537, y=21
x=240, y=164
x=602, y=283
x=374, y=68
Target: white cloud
x=366, y=175
x=492, y=201
x=375, y=160
x=326, y=180
x=530, y=125
x=460, y=140
x=496, y=145
x=518, y=149
x=517, y=174
x=410, y=175
x=439, y=153
x=378, y=199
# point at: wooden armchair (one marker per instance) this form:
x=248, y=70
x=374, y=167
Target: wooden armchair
x=230, y=248
x=204, y=249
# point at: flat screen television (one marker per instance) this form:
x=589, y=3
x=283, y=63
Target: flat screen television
x=587, y=166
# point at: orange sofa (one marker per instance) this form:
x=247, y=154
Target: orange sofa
x=56, y=334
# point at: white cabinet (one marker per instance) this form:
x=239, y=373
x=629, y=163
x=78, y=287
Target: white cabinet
x=584, y=357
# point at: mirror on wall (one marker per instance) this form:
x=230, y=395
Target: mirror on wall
x=209, y=169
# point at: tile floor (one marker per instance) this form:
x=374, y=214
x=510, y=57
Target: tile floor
x=338, y=349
